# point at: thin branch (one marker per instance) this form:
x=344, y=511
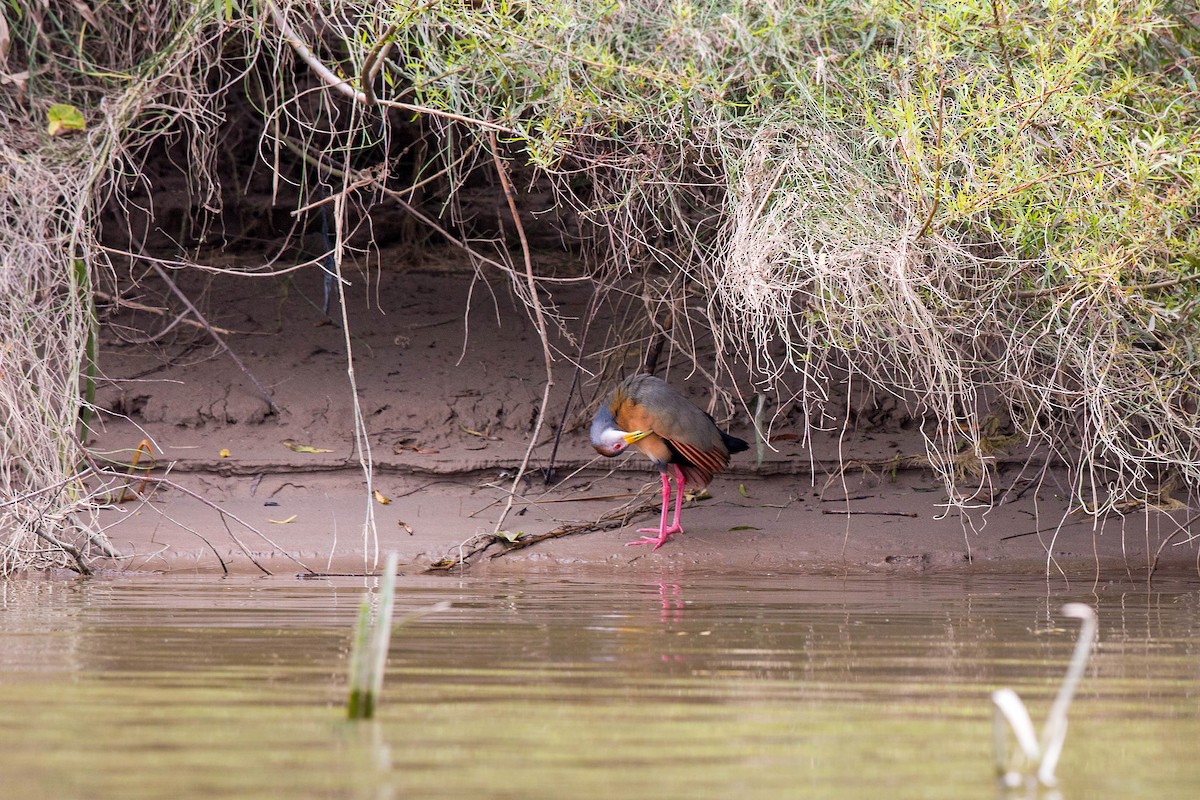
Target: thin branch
x=162, y=312
x=610, y=521
x=539, y=319
x=937, y=162
x=162, y=273
x=370, y=65
x=66, y=547
x=1028, y=294
x=225, y=513
x=1008, y=74
x=343, y=86
x=362, y=439
x=858, y=512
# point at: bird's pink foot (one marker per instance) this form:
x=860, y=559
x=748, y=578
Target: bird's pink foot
x=662, y=533
x=659, y=539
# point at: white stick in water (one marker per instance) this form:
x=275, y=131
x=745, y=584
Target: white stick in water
x=1041, y=754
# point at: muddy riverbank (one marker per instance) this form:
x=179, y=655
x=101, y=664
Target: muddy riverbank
x=449, y=375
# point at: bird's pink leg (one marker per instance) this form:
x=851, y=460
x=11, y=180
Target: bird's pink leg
x=662, y=530
x=680, y=481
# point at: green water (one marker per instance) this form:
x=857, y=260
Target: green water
x=690, y=686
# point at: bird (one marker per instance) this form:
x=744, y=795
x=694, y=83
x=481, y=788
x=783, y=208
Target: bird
x=656, y=418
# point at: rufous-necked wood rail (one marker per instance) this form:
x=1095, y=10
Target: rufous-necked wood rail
x=650, y=414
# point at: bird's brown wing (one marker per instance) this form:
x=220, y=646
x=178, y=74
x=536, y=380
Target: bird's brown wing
x=699, y=465
x=646, y=403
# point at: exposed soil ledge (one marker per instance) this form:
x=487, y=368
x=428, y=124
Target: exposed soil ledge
x=448, y=422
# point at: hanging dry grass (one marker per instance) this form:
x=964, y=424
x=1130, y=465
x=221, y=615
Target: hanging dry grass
x=988, y=209
x=131, y=73
x=45, y=327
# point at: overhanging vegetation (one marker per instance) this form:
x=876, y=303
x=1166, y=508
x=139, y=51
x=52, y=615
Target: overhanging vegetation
x=988, y=208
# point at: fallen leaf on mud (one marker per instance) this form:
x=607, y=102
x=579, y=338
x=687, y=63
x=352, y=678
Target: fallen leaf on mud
x=742, y=490
x=283, y=521
x=697, y=494
x=510, y=536
x=744, y=528
x=480, y=434
x=224, y=452
x=303, y=448
x=406, y=526
x=379, y=498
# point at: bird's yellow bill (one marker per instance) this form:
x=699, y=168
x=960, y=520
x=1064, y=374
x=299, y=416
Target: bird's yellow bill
x=636, y=436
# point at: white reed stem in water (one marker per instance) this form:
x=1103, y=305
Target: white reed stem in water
x=1043, y=754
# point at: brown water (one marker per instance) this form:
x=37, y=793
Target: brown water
x=690, y=687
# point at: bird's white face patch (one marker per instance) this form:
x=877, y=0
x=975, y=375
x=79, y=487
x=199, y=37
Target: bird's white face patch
x=611, y=443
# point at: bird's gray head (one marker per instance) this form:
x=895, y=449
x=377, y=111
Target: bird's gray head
x=607, y=438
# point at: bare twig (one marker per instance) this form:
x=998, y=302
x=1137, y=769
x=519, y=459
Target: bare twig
x=1012, y=86
x=539, y=317
x=937, y=158
x=226, y=513
x=266, y=396
x=370, y=68
x=343, y=86
x=610, y=521
x=859, y=512
x=66, y=547
x=162, y=312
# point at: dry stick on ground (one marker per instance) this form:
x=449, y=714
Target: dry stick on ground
x=539, y=319
x=224, y=513
x=162, y=312
x=613, y=519
x=193, y=532
x=855, y=511
x=162, y=273
x=99, y=539
x=464, y=552
x=478, y=544
x=65, y=547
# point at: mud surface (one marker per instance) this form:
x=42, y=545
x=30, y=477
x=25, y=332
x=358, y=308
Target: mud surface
x=450, y=374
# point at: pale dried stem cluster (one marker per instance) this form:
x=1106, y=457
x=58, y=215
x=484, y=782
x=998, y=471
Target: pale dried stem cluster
x=823, y=269
x=805, y=244
x=44, y=329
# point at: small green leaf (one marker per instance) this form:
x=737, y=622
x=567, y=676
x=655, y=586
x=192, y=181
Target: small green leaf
x=510, y=536
x=742, y=490
x=744, y=528
x=64, y=118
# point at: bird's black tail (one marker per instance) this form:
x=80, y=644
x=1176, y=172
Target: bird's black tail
x=734, y=444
